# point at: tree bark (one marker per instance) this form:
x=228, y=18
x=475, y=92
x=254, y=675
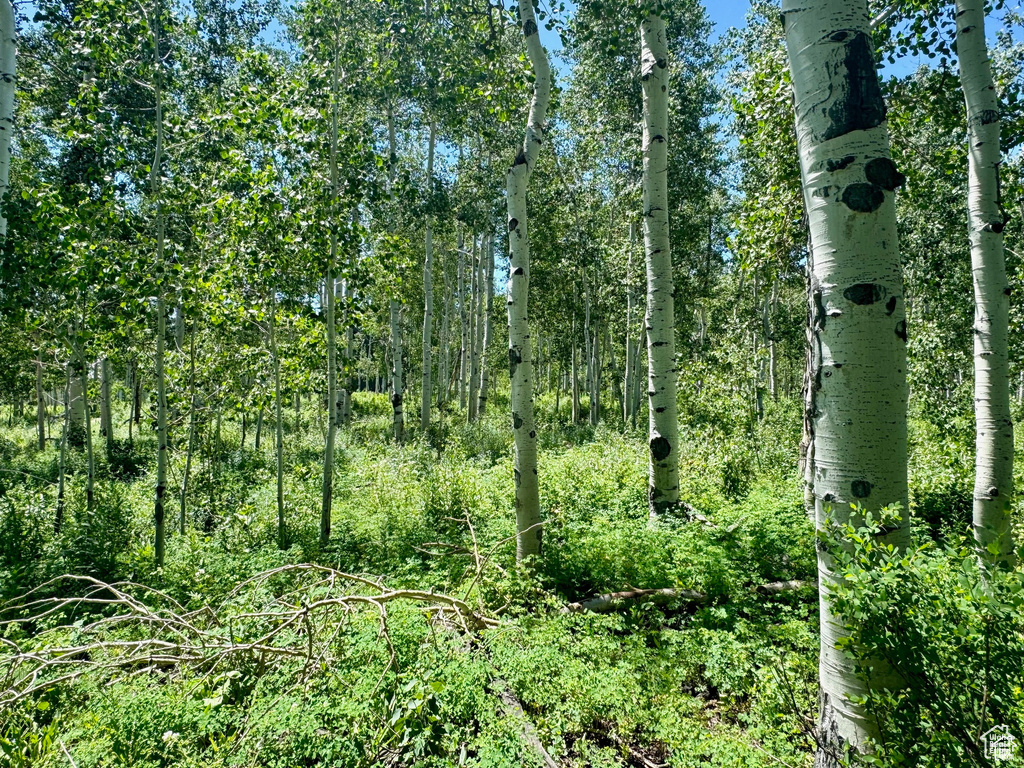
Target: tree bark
x=463, y=316
x=8, y=74
x=190, y=448
x=282, y=536
x=663, y=425
x=58, y=518
x=395, y=310
x=428, y=296
x=993, y=484
x=478, y=331
x=106, y=408
x=859, y=384
x=527, y=491
x=40, y=404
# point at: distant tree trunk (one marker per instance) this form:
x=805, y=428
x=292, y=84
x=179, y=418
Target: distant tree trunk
x=442, y=369
x=629, y=374
x=616, y=378
x=477, y=308
x=661, y=343
x=993, y=484
x=90, y=459
x=40, y=404
x=76, y=404
x=259, y=430
x=106, y=408
x=58, y=518
x=528, y=540
x=859, y=332
x=190, y=449
x=395, y=310
x=488, y=307
x=463, y=317
x=282, y=536
x=428, y=296
x=351, y=381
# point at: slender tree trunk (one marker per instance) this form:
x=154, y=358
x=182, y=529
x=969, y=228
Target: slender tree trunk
x=58, y=518
x=477, y=308
x=488, y=307
x=90, y=460
x=282, y=535
x=428, y=297
x=528, y=540
x=993, y=484
x=661, y=343
x=351, y=380
x=859, y=385
x=395, y=310
x=627, y=412
x=463, y=318
x=259, y=430
x=161, y=309
x=106, y=408
x=442, y=369
x=40, y=404
x=190, y=449
x=8, y=75
x=333, y=402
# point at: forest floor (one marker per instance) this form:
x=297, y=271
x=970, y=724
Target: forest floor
x=418, y=640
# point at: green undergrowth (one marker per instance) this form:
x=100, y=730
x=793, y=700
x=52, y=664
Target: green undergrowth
x=729, y=680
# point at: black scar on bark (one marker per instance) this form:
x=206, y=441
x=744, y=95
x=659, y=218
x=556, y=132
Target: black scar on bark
x=533, y=434
x=989, y=116
x=890, y=305
x=882, y=171
x=995, y=226
x=863, y=198
x=396, y=400
x=517, y=476
x=660, y=448
x=901, y=330
x=860, y=489
x=529, y=28
x=828, y=498
x=518, y=271
x=859, y=105
x=513, y=224
x=837, y=165
x=819, y=311
x=514, y=359
x=659, y=410
x=662, y=63
x=1007, y=291
x=516, y=421
x=520, y=158
x=864, y=293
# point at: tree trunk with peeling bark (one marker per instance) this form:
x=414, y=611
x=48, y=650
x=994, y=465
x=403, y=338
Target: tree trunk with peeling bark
x=527, y=491
x=858, y=384
x=993, y=483
x=663, y=425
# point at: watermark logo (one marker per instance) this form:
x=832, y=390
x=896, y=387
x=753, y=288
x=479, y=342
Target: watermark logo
x=1000, y=744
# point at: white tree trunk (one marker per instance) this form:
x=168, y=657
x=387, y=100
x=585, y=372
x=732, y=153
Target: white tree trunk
x=488, y=306
x=395, y=312
x=192, y=422
x=463, y=317
x=859, y=385
x=528, y=540
x=7, y=83
x=478, y=331
x=663, y=424
x=40, y=404
x=445, y=342
x=106, y=416
x=993, y=483
x=428, y=297
x=282, y=536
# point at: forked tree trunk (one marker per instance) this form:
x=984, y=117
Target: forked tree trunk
x=993, y=482
x=528, y=539
x=428, y=297
x=663, y=425
x=858, y=328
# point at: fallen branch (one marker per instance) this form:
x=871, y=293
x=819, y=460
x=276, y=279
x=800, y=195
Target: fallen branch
x=528, y=732
x=613, y=600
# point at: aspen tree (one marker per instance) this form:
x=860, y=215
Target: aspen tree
x=660, y=318
x=40, y=403
x=428, y=295
x=7, y=83
x=395, y=311
x=858, y=385
x=330, y=294
x=463, y=317
x=488, y=306
x=993, y=482
x=528, y=540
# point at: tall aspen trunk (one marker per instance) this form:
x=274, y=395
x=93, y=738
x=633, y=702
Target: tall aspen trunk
x=858, y=328
x=463, y=318
x=90, y=459
x=395, y=311
x=445, y=343
x=7, y=87
x=193, y=418
x=628, y=375
x=58, y=518
x=76, y=404
x=106, y=408
x=993, y=482
x=528, y=539
x=282, y=536
x=488, y=307
x=478, y=330
x=330, y=288
x=350, y=384
x=161, y=308
x=40, y=404
x=259, y=430
x=428, y=297
x=574, y=382
x=661, y=344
